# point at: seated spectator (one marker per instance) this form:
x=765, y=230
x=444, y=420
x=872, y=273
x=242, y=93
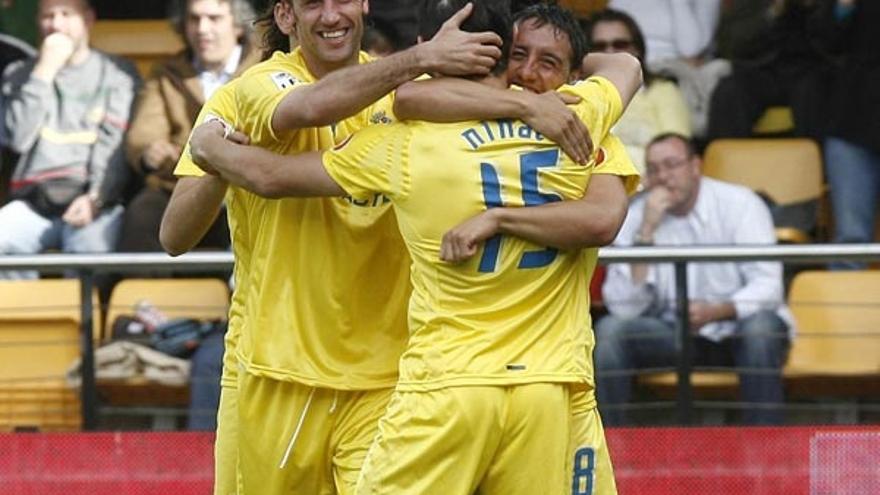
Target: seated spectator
x=679, y=36
x=737, y=315
x=777, y=61
x=11, y=49
x=65, y=113
x=852, y=146
x=217, y=35
x=658, y=107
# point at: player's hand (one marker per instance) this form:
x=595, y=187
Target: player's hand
x=462, y=241
x=81, y=211
x=206, y=139
x=160, y=154
x=55, y=52
x=549, y=115
x=454, y=52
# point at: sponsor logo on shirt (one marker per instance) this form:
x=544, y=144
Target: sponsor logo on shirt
x=380, y=117
x=283, y=80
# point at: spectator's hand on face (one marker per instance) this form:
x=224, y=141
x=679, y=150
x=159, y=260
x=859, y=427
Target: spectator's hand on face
x=160, y=154
x=658, y=202
x=81, y=211
x=56, y=50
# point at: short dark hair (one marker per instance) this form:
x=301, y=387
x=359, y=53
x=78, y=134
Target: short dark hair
x=688, y=143
x=638, y=39
x=487, y=15
x=562, y=21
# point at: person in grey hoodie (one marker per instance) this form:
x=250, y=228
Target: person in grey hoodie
x=65, y=113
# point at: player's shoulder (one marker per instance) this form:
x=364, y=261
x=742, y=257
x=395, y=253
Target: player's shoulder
x=281, y=70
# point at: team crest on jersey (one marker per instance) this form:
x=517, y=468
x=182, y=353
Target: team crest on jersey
x=601, y=155
x=380, y=117
x=283, y=80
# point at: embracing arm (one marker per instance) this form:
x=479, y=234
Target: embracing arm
x=345, y=92
x=193, y=208
x=258, y=170
x=593, y=220
x=622, y=69
x=449, y=99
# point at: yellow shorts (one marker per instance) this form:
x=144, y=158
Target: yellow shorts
x=590, y=464
x=496, y=439
x=226, y=442
x=299, y=440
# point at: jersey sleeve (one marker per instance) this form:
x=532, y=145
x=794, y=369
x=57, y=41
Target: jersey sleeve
x=260, y=92
x=600, y=106
x=612, y=159
x=221, y=105
x=373, y=160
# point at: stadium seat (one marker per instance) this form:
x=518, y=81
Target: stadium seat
x=837, y=349
x=584, y=8
x=39, y=339
x=774, y=121
x=200, y=298
x=788, y=172
x=142, y=41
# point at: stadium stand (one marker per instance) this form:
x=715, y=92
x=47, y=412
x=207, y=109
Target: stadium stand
x=39, y=339
x=198, y=298
x=142, y=41
x=787, y=172
x=837, y=352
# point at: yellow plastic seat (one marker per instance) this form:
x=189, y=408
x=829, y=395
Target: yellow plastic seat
x=775, y=120
x=39, y=339
x=837, y=349
x=142, y=41
x=788, y=171
x=199, y=298
x=705, y=384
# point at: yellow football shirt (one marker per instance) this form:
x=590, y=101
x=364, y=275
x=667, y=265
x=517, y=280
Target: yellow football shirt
x=516, y=312
x=327, y=279
x=222, y=105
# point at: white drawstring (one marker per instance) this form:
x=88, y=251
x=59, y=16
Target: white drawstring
x=302, y=418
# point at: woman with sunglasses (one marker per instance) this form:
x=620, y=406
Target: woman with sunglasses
x=659, y=106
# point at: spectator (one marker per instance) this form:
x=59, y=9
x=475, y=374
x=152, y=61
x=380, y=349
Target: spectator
x=658, y=107
x=852, y=148
x=737, y=314
x=11, y=49
x=65, y=113
x=217, y=36
x=778, y=60
x=679, y=37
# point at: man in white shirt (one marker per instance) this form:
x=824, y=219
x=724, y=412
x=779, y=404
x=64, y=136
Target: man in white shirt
x=737, y=314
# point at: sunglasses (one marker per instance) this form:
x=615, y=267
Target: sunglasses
x=616, y=45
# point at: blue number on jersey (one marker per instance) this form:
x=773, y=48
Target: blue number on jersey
x=584, y=471
x=529, y=165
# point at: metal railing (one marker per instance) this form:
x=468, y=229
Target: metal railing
x=89, y=265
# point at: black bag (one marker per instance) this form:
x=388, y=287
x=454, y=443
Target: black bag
x=180, y=337
x=52, y=197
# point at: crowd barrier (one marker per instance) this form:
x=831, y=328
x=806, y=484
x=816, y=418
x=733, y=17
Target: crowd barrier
x=88, y=266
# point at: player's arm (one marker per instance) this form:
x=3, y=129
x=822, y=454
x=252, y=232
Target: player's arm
x=449, y=99
x=192, y=209
x=593, y=220
x=258, y=170
x=622, y=69
x=347, y=91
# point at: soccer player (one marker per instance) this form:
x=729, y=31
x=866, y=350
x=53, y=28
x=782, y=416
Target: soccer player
x=547, y=51
x=504, y=334
x=317, y=320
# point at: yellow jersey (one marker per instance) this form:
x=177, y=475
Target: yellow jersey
x=326, y=282
x=516, y=312
x=222, y=105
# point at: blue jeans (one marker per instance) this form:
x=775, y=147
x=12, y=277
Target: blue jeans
x=24, y=231
x=760, y=346
x=204, y=383
x=854, y=176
